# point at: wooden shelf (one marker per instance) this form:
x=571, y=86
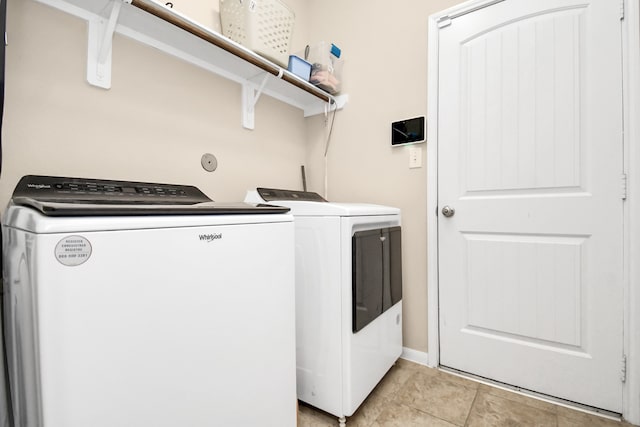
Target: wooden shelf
x=151, y=23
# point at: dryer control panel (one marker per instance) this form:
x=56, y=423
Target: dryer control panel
x=271, y=194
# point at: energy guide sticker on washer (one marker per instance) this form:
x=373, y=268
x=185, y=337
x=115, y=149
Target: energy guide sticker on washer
x=73, y=250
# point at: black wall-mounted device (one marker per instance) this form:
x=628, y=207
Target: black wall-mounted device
x=408, y=131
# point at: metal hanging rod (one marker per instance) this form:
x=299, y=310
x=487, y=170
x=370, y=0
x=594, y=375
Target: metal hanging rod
x=224, y=43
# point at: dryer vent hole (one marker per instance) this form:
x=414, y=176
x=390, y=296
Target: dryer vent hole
x=209, y=162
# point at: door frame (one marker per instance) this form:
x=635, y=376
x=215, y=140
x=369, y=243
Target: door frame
x=631, y=140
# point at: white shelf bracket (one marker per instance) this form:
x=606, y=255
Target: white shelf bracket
x=337, y=103
x=250, y=97
x=100, y=46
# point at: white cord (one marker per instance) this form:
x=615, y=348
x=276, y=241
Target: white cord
x=326, y=147
x=326, y=179
x=333, y=119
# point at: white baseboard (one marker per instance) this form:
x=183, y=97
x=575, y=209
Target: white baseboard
x=415, y=356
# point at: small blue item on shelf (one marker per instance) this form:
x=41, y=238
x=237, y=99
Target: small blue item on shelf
x=335, y=50
x=299, y=67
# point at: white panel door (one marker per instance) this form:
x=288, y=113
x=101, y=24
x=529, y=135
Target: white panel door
x=530, y=158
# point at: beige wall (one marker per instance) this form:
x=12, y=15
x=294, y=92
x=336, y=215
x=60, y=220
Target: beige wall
x=385, y=49
x=162, y=114
x=154, y=124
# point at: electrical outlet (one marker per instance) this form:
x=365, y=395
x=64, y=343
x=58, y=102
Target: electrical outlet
x=415, y=157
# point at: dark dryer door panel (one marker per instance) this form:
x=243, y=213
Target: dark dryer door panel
x=367, y=277
x=376, y=273
x=395, y=265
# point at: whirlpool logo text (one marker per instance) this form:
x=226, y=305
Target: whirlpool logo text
x=38, y=186
x=210, y=237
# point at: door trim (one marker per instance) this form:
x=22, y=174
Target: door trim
x=631, y=82
x=631, y=141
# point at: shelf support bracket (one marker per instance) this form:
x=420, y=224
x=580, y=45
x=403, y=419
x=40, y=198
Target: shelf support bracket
x=100, y=46
x=250, y=97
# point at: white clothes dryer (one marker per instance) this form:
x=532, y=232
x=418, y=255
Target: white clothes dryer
x=348, y=296
x=138, y=304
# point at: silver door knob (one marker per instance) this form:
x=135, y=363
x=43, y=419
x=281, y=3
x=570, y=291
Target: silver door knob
x=448, y=211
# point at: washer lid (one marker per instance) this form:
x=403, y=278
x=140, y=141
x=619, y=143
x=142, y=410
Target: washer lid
x=57, y=196
x=32, y=220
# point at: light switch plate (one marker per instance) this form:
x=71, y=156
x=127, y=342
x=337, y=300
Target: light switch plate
x=415, y=157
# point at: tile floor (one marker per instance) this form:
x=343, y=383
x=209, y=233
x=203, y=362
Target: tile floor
x=414, y=395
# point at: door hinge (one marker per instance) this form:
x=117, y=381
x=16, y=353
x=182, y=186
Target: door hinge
x=621, y=10
x=444, y=21
x=623, y=369
x=623, y=186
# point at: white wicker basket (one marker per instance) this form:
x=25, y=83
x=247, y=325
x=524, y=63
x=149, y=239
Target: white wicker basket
x=264, y=26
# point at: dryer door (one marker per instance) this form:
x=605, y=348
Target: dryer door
x=377, y=273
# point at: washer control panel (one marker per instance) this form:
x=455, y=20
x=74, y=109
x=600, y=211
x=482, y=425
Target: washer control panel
x=80, y=190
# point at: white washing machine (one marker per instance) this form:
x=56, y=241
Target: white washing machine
x=348, y=297
x=5, y=413
x=137, y=304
